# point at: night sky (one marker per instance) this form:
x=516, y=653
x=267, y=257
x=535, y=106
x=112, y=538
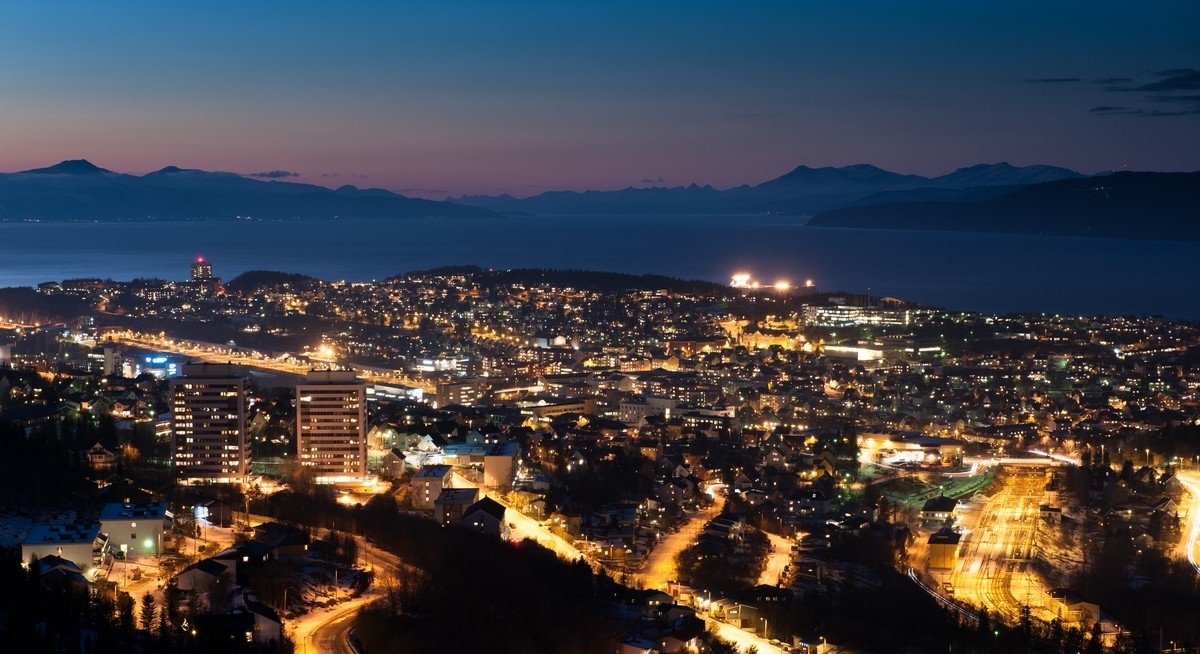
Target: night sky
x=496, y=97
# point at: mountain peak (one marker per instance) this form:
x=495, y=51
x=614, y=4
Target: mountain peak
x=1003, y=174
x=69, y=167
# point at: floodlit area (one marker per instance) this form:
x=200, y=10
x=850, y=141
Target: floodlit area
x=994, y=565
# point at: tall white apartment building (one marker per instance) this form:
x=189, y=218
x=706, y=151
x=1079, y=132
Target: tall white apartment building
x=331, y=425
x=209, y=439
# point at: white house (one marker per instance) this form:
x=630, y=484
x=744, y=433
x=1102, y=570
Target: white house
x=136, y=528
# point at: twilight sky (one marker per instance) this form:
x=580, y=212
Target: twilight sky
x=522, y=97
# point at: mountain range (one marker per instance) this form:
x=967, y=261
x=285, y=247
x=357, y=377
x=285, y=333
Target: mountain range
x=804, y=190
x=80, y=190
x=986, y=197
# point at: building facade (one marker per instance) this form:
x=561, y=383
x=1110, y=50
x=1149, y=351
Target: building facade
x=427, y=486
x=82, y=544
x=136, y=528
x=201, y=270
x=331, y=425
x=209, y=440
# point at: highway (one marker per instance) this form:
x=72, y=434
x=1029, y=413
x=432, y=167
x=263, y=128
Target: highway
x=252, y=359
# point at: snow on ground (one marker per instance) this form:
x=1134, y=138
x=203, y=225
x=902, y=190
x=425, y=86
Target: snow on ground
x=16, y=521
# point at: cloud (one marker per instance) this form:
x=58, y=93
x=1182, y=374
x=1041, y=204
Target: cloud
x=359, y=175
x=1174, y=98
x=1112, y=80
x=1193, y=111
x=430, y=191
x=1053, y=80
x=329, y=174
x=1175, y=71
x=1173, y=87
x=656, y=180
x=1183, y=79
x=274, y=174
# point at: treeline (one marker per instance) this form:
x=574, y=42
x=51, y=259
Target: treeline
x=590, y=280
x=41, y=469
x=1140, y=583
x=465, y=591
x=25, y=305
x=253, y=280
x=66, y=617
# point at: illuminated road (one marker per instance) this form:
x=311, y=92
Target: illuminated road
x=330, y=636
x=249, y=359
x=523, y=526
x=1191, y=532
x=742, y=639
x=777, y=560
x=324, y=631
x=994, y=568
x=659, y=567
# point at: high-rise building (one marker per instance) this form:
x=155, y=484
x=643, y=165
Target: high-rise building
x=331, y=425
x=209, y=440
x=201, y=270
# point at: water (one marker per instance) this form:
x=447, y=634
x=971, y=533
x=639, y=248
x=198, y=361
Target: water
x=984, y=272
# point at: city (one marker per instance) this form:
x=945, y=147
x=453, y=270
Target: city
x=696, y=466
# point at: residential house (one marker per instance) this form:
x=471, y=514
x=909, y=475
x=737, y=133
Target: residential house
x=55, y=572
x=740, y=615
x=451, y=504
x=202, y=576
x=427, y=485
x=486, y=516
x=268, y=628
x=638, y=645
x=393, y=464
x=808, y=502
x=287, y=544
x=939, y=510
x=100, y=458
x=677, y=490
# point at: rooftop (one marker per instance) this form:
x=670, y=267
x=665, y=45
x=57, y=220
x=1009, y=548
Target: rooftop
x=126, y=510
x=63, y=534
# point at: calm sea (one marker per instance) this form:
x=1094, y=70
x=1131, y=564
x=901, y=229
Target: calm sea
x=985, y=272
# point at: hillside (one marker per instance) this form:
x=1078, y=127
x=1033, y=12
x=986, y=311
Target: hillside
x=1123, y=205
